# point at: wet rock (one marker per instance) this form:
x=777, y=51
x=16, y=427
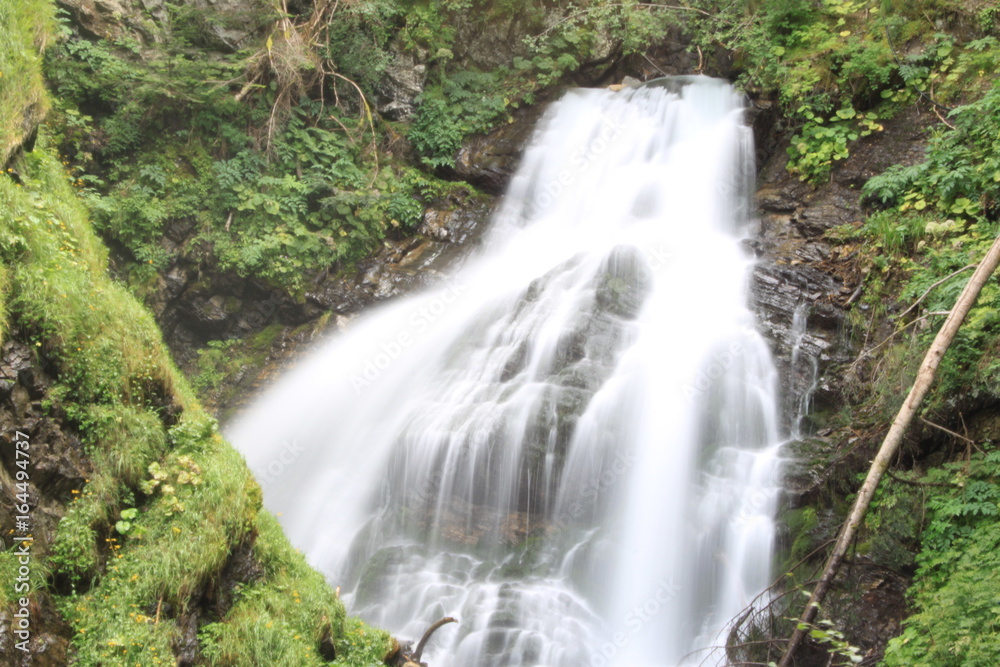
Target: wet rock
x=328, y=646
x=187, y=651
x=623, y=283
x=48, y=646
x=453, y=225
x=798, y=268
x=232, y=21
x=241, y=568
x=209, y=315
x=488, y=161
x=105, y=18
x=58, y=466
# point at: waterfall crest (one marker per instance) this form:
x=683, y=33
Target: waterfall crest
x=572, y=444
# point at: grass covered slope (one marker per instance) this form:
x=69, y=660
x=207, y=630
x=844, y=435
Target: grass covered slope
x=164, y=553
x=27, y=27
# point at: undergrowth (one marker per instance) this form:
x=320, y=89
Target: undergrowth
x=168, y=503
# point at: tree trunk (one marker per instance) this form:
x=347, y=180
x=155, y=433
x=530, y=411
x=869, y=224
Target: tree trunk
x=887, y=452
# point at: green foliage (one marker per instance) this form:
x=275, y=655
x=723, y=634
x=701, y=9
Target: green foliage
x=593, y=30
x=942, y=212
x=361, y=645
x=826, y=633
x=283, y=623
x=315, y=199
x=821, y=142
x=961, y=174
x=958, y=580
x=359, y=41
x=894, y=234
x=26, y=26
x=105, y=345
x=75, y=551
x=124, y=525
x=463, y=104
x=802, y=524
x=824, y=59
x=128, y=546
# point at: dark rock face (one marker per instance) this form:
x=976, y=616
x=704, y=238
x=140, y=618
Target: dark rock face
x=232, y=20
x=405, y=76
x=488, y=161
x=799, y=269
x=58, y=466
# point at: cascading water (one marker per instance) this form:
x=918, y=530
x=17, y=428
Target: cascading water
x=805, y=363
x=571, y=446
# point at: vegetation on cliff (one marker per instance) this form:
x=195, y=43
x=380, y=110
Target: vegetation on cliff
x=164, y=552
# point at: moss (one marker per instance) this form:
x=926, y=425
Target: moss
x=802, y=524
x=222, y=362
x=196, y=499
x=298, y=609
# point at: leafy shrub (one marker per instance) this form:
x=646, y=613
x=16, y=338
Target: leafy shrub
x=958, y=578
x=463, y=104
x=961, y=175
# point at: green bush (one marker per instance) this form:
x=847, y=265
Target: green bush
x=464, y=103
x=957, y=584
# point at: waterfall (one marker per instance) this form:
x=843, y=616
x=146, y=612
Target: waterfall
x=570, y=445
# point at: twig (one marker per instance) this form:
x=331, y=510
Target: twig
x=950, y=432
x=655, y=66
x=914, y=482
x=366, y=111
x=942, y=118
x=867, y=352
x=856, y=294
x=937, y=284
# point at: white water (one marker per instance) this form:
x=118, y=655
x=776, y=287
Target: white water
x=804, y=363
x=572, y=445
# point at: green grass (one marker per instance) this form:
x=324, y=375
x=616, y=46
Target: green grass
x=26, y=26
x=152, y=449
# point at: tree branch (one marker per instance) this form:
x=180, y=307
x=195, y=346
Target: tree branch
x=427, y=635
